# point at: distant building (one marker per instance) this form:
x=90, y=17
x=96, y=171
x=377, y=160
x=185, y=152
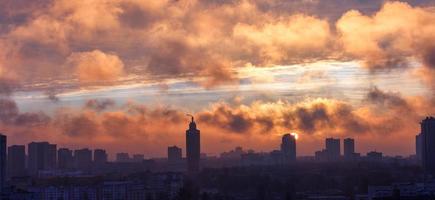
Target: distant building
x=374, y=156
x=138, y=157
x=65, y=158
x=193, y=147
x=321, y=155
x=3, y=144
x=174, y=154
x=83, y=159
x=428, y=144
x=233, y=154
x=16, y=161
x=333, y=148
x=349, y=148
x=122, y=157
x=41, y=156
x=288, y=147
x=100, y=157
x=419, y=147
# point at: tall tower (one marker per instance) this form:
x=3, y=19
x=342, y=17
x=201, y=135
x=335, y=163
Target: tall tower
x=2, y=161
x=428, y=144
x=193, y=147
x=288, y=147
x=349, y=148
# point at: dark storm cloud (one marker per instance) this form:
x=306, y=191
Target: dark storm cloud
x=387, y=99
x=10, y=115
x=99, y=104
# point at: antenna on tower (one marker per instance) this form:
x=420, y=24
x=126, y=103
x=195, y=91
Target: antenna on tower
x=190, y=116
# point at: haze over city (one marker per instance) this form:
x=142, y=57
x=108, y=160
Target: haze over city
x=122, y=75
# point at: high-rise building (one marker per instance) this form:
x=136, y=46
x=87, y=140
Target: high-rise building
x=42, y=156
x=428, y=144
x=193, y=147
x=83, y=159
x=333, y=148
x=65, y=158
x=349, y=148
x=418, y=147
x=100, y=156
x=16, y=161
x=3, y=144
x=122, y=157
x=288, y=147
x=174, y=154
x=52, y=156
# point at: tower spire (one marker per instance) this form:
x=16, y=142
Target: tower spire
x=191, y=117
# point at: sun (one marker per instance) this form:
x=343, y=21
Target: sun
x=295, y=135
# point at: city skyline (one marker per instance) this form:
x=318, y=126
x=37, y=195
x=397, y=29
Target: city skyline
x=334, y=149
x=121, y=75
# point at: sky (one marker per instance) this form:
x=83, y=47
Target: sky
x=122, y=74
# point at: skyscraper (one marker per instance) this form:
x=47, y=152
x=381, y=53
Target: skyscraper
x=428, y=143
x=100, y=157
x=65, y=158
x=16, y=160
x=42, y=156
x=418, y=147
x=3, y=144
x=349, y=148
x=83, y=159
x=193, y=147
x=333, y=148
x=174, y=155
x=288, y=147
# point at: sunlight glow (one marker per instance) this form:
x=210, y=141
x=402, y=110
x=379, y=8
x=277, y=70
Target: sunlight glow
x=295, y=135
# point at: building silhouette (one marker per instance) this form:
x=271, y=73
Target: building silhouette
x=16, y=161
x=41, y=156
x=349, y=148
x=193, y=147
x=428, y=144
x=65, y=158
x=122, y=157
x=374, y=156
x=138, y=158
x=83, y=159
x=174, y=154
x=288, y=147
x=332, y=148
x=100, y=157
x=3, y=144
x=418, y=147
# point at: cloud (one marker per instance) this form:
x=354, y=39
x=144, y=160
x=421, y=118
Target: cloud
x=390, y=37
x=205, y=41
x=11, y=116
x=387, y=99
x=96, y=66
x=99, y=104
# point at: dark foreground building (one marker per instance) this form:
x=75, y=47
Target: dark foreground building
x=428, y=144
x=288, y=147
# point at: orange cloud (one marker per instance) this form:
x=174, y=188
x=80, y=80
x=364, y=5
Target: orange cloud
x=96, y=66
x=390, y=37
